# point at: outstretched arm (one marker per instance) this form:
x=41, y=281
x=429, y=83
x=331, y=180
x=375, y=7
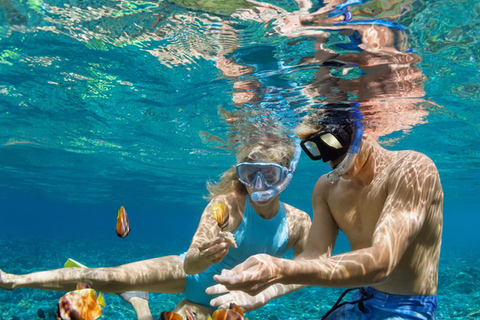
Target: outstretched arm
x=163, y=274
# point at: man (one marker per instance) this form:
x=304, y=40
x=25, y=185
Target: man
x=389, y=204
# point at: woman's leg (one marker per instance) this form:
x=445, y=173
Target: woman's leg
x=142, y=309
x=164, y=274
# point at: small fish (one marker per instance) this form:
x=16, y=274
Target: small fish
x=234, y=312
x=221, y=214
x=167, y=315
x=81, y=304
x=123, y=226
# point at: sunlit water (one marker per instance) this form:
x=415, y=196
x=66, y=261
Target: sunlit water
x=110, y=103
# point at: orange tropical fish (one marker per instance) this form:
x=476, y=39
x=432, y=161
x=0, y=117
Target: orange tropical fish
x=81, y=304
x=167, y=315
x=221, y=215
x=234, y=312
x=123, y=226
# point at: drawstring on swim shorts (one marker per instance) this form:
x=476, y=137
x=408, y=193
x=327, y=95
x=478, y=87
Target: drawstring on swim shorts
x=338, y=304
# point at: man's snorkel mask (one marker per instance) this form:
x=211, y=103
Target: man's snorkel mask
x=335, y=139
x=270, y=177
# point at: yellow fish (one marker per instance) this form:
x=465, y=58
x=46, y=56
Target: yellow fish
x=234, y=312
x=221, y=214
x=81, y=304
x=123, y=226
x=167, y=315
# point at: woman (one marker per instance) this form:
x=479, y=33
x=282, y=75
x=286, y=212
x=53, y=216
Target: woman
x=267, y=226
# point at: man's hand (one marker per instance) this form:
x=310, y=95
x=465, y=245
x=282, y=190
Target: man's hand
x=240, y=298
x=252, y=276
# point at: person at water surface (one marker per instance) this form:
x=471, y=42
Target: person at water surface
x=389, y=204
x=264, y=168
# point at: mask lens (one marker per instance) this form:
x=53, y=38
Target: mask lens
x=331, y=141
x=270, y=174
x=248, y=173
x=313, y=148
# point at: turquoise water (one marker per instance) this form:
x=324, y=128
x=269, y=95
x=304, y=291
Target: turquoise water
x=111, y=103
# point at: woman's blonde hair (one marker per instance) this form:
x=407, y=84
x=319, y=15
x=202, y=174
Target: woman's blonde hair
x=267, y=147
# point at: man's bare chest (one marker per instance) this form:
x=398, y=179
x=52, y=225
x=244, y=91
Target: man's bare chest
x=357, y=212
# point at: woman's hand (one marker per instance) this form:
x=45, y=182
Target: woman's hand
x=214, y=250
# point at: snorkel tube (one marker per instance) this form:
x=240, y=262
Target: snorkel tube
x=267, y=194
x=334, y=175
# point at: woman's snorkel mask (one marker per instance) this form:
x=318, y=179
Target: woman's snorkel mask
x=333, y=141
x=269, y=178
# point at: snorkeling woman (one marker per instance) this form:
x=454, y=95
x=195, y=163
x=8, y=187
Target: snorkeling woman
x=264, y=168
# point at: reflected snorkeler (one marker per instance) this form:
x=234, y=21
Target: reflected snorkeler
x=389, y=204
x=372, y=64
x=268, y=226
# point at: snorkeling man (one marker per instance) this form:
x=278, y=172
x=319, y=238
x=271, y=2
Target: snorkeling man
x=389, y=204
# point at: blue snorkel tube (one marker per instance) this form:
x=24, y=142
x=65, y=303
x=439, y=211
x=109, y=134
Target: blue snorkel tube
x=267, y=194
x=334, y=175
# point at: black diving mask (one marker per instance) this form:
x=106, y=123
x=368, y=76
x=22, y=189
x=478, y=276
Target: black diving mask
x=328, y=144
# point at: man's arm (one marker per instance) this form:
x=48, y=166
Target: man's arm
x=402, y=218
x=400, y=222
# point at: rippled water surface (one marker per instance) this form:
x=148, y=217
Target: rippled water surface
x=139, y=103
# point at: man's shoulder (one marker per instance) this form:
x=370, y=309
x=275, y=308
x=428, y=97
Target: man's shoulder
x=410, y=158
x=409, y=162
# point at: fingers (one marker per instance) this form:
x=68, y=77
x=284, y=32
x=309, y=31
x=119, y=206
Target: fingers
x=218, y=256
x=223, y=302
x=212, y=242
x=214, y=250
x=251, y=276
x=229, y=279
x=216, y=289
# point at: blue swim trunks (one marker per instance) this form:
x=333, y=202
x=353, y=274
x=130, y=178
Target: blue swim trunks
x=377, y=305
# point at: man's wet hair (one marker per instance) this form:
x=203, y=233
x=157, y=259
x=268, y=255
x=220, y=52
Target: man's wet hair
x=340, y=113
